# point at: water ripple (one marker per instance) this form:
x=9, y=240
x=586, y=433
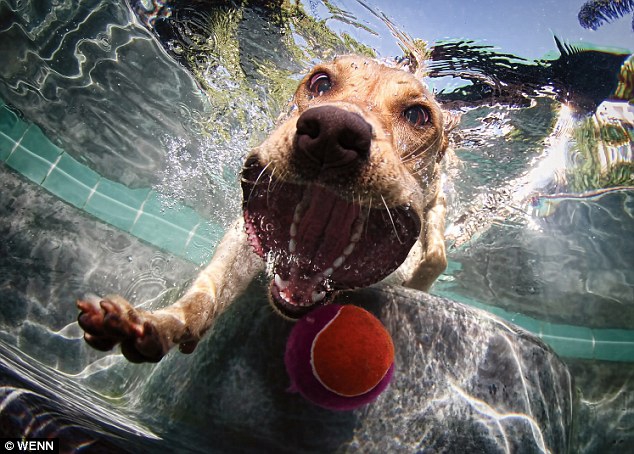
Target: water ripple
x=99, y=85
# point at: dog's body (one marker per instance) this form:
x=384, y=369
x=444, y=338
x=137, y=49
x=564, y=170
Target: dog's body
x=343, y=194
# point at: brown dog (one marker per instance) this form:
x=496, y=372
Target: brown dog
x=344, y=193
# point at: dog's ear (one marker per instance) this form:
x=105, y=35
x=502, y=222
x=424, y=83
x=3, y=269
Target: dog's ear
x=450, y=122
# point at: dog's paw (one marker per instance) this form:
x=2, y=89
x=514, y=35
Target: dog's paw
x=112, y=320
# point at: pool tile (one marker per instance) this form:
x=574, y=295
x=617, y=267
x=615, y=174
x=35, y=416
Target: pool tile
x=71, y=181
x=199, y=250
x=203, y=243
x=528, y=323
x=165, y=227
x=569, y=341
x=35, y=155
x=497, y=311
x=614, y=344
x=210, y=231
x=182, y=216
x=37, y=142
x=6, y=146
x=160, y=232
x=116, y=204
x=10, y=124
x=11, y=130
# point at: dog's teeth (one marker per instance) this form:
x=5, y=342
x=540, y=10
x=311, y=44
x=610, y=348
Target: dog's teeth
x=328, y=271
x=281, y=283
x=348, y=250
x=286, y=297
x=292, y=245
x=357, y=229
x=338, y=261
x=293, y=229
x=297, y=215
x=317, y=296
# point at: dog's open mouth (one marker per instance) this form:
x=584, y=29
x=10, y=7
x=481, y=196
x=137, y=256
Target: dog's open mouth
x=315, y=242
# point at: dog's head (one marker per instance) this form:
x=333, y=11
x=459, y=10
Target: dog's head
x=335, y=197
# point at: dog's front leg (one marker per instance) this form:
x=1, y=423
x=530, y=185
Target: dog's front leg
x=427, y=259
x=147, y=336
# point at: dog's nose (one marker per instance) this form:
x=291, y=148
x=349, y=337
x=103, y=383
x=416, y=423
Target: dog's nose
x=333, y=137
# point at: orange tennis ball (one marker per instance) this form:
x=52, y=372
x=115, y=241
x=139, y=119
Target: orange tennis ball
x=339, y=357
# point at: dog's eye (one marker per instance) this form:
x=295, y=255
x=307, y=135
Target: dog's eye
x=319, y=84
x=417, y=115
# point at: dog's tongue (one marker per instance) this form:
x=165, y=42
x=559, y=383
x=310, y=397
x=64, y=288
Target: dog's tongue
x=321, y=238
x=323, y=230
x=309, y=232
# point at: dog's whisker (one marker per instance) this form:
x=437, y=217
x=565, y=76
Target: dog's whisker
x=391, y=219
x=358, y=198
x=260, y=175
x=262, y=172
x=278, y=181
x=367, y=216
x=414, y=154
x=423, y=169
x=271, y=184
x=272, y=180
x=433, y=144
x=274, y=184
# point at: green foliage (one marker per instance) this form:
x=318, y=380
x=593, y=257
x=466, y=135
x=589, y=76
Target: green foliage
x=252, y=89
x=590, y=141
x=596, y=12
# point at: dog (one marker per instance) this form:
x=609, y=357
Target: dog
x=343, y=194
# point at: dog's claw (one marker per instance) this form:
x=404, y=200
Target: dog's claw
x=187, y=347
x=123, y=324
x=113, y=320
x=100, y=343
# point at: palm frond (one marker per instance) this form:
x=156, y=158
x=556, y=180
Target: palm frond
x=595, y=13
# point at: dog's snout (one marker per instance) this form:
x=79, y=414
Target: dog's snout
x=333, y=137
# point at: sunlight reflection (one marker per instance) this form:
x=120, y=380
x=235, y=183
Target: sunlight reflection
x=485, y=409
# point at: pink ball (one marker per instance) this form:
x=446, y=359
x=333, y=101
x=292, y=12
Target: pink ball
x=339, y=357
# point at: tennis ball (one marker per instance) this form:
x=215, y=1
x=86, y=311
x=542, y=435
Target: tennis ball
x=339, y=357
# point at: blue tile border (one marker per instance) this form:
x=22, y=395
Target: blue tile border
x=34, y=156
x=71, y=181
x=566, y=340
x=179, y=230
x=12, y=130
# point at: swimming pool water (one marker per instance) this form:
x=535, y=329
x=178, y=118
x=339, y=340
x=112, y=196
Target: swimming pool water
x=132, y=140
